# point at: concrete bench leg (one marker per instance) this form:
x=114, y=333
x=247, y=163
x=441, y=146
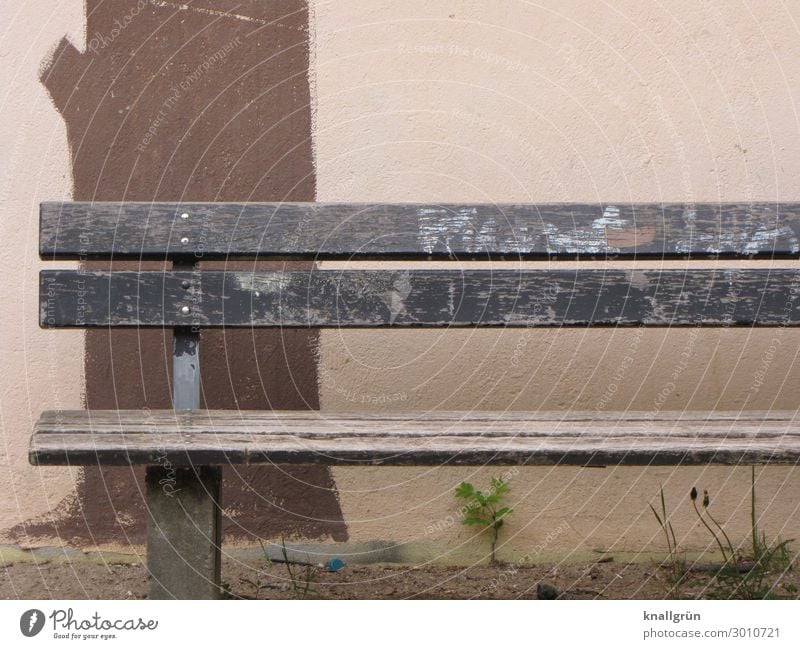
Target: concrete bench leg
x=183, y=539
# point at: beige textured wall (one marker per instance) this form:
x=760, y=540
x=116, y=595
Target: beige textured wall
x=557, y=101
x=460, y=101
x=39, y=370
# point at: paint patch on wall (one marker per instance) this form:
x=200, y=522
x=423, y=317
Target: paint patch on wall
x=200, y=101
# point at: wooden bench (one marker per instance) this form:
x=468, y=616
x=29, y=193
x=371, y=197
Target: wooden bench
x=185, y=448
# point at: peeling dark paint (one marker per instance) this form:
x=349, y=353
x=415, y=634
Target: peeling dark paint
x=419, y=231
x=413, y=298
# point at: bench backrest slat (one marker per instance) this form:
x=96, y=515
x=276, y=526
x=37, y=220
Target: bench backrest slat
x=432, y=298
x=75, y=230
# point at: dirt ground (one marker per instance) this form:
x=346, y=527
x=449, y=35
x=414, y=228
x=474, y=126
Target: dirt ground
x=605, y=580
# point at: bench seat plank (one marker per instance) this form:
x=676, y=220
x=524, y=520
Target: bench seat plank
x=438, y=438
x=72, y=230
x=412, y=298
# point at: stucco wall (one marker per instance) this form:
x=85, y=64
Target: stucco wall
x=446, y=101
x=39, y=369
x=556, y=101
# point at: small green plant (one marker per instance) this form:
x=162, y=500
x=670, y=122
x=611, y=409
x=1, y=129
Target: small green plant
x=742, y=574
x=484, y=509
x=727, y=549
x=226, y=591
x=674, y=566
x=258, y=583
x=750, y=575
x=302, y=574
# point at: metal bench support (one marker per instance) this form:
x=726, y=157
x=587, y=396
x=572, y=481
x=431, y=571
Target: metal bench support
x=184, y=538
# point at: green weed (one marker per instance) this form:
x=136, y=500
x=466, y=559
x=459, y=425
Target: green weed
x=484, y=509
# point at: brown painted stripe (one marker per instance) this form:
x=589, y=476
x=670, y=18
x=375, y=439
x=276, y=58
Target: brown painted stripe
x=191, y=104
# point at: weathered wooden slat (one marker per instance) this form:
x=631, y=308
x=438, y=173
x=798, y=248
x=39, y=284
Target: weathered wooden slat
x=487, y=424
x=457, y=438
x=407, y=298
x=418, y=231
x=113, y=421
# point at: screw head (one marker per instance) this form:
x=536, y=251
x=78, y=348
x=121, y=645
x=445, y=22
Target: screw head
x=185, y=284
x=185, y=215
x=185, y=310
x=184, y=240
